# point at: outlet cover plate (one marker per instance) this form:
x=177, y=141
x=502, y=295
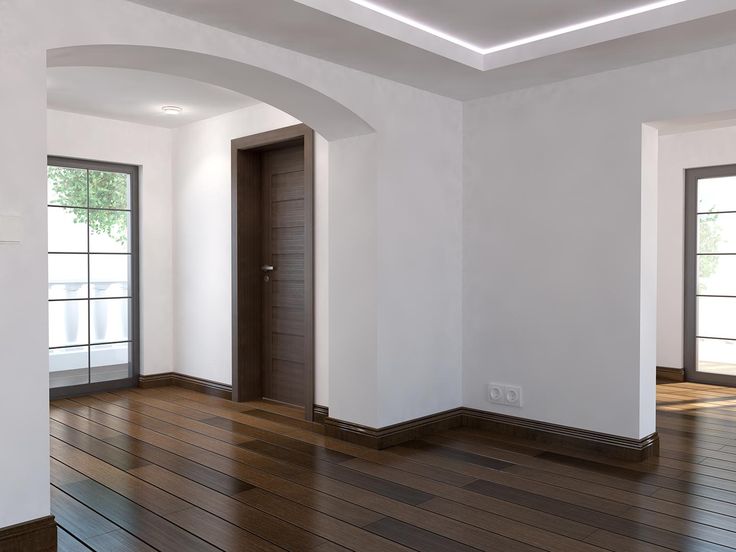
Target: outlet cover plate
x=507, y=395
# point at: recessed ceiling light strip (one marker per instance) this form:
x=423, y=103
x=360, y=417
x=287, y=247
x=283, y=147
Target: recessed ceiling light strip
x=417, y=25
x=522, y=41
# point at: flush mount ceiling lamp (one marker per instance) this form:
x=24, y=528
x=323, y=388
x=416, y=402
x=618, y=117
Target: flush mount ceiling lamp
x=522, y=41
x=171, y=109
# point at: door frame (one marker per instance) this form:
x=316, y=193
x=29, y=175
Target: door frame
x=691, y=274
x=246, y=260
x=134, y=321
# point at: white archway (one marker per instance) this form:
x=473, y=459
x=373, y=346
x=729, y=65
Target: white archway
x=328, y=117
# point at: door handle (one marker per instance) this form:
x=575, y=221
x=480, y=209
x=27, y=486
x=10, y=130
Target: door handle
x=267, y=268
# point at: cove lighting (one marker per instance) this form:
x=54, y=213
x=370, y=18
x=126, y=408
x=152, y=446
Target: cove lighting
x=171, y=109
x=520, y=42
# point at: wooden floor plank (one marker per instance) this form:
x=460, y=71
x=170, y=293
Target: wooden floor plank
x=556, y=523
x=173, y=469
x=132, y=517
x=259, y=524
x=428, y=519
x=425, y=518
x=123, y=500
x=65, y=542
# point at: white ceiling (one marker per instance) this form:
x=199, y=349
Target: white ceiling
x=350, y=33
x=486, y=23
x=137, y=96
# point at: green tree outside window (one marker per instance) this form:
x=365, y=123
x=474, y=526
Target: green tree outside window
x=709, y=236
x=107, y=190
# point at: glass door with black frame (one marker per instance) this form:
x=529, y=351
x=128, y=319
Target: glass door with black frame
x=711, y=275
x=92, y=285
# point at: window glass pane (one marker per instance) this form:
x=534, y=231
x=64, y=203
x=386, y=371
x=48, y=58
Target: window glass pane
x=90, y=264
x=68, y=366
x=110, y=275
x=67, y=230
x=110, y=320
x=717, y=233
x=110, y=362
x=109, y=231
x=717, y=356
x=716, y=317
x=717, y=194
x=717, y=275
x=67, y=276
x=109, y=190
x=67, y=186
x=67, y=323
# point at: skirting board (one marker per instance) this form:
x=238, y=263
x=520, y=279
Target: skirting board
x=670, y=374
x=395, y=434
x=38, y=535
x=320, y=413
x=221, y=390
x=180, y=380
x=591, y=442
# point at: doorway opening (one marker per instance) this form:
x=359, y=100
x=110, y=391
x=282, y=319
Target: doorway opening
x=696, y=249
x=273, y=267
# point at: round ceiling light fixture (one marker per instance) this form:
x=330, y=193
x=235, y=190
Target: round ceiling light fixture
x=171, y=109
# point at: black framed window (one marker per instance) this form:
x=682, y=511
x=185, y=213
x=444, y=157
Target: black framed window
x=93, y=276
x=710, y=274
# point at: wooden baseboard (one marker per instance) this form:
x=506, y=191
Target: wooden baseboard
x=156, y=380
x=583, y=440
x=380, y=438
x=670, y=374
x=38, y=535
x=586, y=441
x=590, y=442
x=320, y=413
x=189, y=382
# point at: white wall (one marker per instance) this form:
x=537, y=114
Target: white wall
x=99, y=139
x=677, y=152
x=407, y=240
x=394, y=248
x=24, y=464
x=202, y=238
x=553, y=238
x=525, y=269
x=419, y=228
x=387, y=286
x=418, y=322
x=647, y=377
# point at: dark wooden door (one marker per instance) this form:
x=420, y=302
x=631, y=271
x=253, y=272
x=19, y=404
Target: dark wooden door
x=284, y=315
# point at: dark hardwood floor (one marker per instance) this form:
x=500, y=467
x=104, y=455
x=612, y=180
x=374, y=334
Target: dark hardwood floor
x=170, y=469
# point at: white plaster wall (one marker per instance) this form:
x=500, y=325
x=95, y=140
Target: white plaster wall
x=24, y=463
x=353, y=271
x=647, y=380
x=677, y=152
x=419, y=201
x=99, y=139
x=553, y=239
x=386, y=200
x=408, y=124
x=322, y=271
x=419, y=227
x=202, y=237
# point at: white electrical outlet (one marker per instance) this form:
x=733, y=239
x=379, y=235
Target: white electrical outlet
x=508, y=395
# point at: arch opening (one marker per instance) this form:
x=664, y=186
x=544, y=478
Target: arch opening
x=328, y=117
